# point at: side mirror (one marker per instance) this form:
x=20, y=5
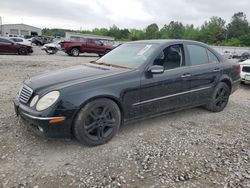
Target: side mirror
x=156, y=69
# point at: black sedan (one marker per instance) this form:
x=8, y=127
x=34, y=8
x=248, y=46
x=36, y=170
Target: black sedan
x=134, y=81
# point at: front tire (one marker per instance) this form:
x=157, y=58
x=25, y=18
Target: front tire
x=22, y=51
x=219, y=98
x=97, y=122
x=75, y=52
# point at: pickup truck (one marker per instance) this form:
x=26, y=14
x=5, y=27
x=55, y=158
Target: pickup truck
x=86, y=46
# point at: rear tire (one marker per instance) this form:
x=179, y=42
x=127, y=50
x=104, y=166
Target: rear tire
x=97, y=122
x=75, y=52
x=219, y=98
x=22, y=51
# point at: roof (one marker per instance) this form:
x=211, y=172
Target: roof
x=20, y=24
x=164, y=41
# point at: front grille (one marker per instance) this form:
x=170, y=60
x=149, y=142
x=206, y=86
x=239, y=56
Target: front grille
x=25, y=94
x=245, y=69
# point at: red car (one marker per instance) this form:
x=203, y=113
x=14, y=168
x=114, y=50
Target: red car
x=88, y=46
x=8, y=46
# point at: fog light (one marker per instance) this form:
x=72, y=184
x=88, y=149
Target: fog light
x=40, y=129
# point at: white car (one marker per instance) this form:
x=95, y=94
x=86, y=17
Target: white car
x=20, y=40
x=245, y=71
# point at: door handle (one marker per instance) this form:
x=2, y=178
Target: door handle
x=216, y=70
x=186, y=75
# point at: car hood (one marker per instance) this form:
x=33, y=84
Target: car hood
x=70, y=76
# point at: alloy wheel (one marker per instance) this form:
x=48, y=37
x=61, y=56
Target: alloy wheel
x=221, y=97
x=99, y=123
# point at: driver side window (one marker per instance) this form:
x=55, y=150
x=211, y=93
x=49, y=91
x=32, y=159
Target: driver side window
x=171, y=57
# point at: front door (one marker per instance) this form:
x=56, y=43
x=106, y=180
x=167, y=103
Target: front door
x=7, y=46
x=169, y=90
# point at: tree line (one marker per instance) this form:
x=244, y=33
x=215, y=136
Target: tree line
x=215, y=31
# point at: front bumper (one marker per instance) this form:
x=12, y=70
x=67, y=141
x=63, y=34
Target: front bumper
x=245, y=77
x=40, y=123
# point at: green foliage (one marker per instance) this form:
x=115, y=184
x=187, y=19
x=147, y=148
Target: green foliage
x=214, y=31
x=232, y=42
x=152, y=31
x=173, y=30
x=136, y=34
x=239, y=26
x=191, y=33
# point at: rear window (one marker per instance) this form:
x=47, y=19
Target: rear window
x=198, y=55
x=212, y=57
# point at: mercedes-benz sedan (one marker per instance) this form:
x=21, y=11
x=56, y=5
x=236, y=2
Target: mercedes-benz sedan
x=136, y=80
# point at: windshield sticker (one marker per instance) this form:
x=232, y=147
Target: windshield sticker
x=144, y=50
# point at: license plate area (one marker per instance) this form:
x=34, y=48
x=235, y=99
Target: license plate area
x=247, y=77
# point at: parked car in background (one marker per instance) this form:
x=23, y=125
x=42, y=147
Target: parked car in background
x=20, y=40
x=41, y=40
x=244, y=56
x=52, y=48
x=134, y=81
x=86, y=46
x=245, y=71
x=9, y=46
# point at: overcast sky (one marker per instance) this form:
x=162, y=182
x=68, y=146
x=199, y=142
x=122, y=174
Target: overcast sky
x=88, y=14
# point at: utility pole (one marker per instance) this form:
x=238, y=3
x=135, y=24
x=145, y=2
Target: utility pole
x=1, y=25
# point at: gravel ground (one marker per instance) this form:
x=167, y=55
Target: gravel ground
x=190, y=148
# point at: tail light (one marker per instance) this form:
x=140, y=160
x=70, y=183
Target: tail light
x=238, y=70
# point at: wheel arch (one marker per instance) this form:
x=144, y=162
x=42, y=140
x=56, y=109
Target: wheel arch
x=227, y=80
x=72, y=47
x=113, y=98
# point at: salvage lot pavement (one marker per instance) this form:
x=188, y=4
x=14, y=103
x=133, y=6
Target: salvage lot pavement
x=190, y=148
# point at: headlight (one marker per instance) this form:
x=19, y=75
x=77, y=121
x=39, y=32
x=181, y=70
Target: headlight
x=34, y=100
x=47, y=100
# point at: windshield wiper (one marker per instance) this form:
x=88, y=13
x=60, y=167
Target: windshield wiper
x=99, y=63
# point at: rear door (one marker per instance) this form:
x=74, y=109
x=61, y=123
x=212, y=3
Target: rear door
x=206, y=70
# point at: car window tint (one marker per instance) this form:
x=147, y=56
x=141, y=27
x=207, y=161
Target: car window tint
x=212, y=57
x=198, y=55
x=99, y=43
x=171, y=57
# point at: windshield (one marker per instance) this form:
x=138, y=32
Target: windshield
x=130, y=55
